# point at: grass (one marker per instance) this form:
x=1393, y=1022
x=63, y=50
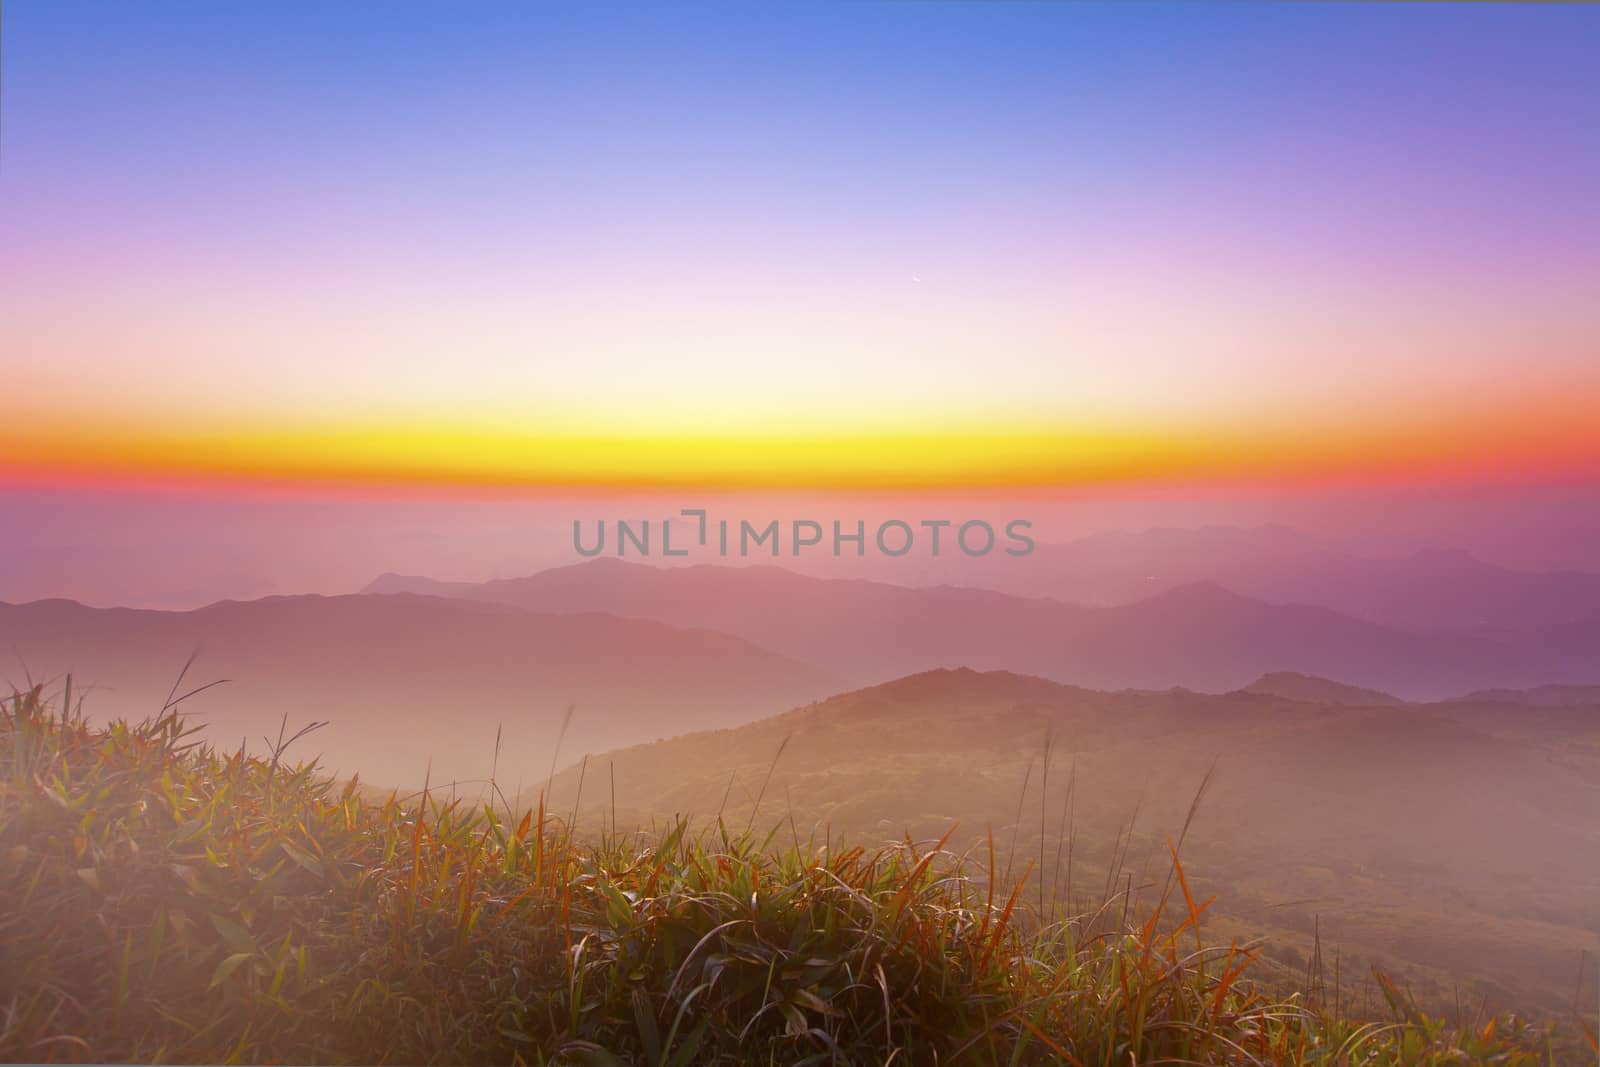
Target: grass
x=163, y=901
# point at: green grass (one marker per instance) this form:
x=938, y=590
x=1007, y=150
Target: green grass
x=162, y=901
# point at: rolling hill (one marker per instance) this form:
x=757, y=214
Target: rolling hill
x=1453, y=850
x=1312, y=690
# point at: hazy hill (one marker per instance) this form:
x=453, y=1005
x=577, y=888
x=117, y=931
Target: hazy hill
x=1312, y=690
x=407, y=680
x=1201, y=636
x=1377, y=820
x=390, y=582
x=1544, y=696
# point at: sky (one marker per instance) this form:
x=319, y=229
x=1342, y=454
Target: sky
x=521, y=252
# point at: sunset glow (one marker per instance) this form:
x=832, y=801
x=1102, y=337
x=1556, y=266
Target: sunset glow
x=907, y=273
x=1551, y=441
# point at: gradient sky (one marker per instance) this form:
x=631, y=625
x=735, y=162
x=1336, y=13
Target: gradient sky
x=884, y=245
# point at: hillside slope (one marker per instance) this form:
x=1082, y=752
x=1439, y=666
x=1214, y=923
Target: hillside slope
x=410, y=682
x=1370, y=821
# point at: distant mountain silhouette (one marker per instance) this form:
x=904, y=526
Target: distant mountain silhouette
x=409, y=680
x=1432, y=588
x=390, y=582
x=1311, y=690
x=1199, y=635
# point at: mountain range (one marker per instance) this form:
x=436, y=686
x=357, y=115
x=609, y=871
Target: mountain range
x=1430, y=588
x=419, y=676
x=1200, y=636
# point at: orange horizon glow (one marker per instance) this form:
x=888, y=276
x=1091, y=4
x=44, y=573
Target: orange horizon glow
x=1539, y=440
